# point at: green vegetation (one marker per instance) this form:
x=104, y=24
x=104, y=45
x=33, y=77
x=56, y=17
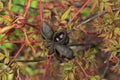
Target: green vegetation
x=94, y=31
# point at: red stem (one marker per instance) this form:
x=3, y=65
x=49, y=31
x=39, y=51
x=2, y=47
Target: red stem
x=79, y=10
x=84, y=72
x=40, y=12
x=47, y=67
x=23, y=45
x=26, y=9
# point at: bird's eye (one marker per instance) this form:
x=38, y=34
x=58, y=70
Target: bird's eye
x=59, y=36
x=57, y=39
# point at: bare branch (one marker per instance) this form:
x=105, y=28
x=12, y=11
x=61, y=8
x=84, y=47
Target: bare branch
x=95, y=16
x=107, y=67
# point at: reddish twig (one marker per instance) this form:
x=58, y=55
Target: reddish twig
x=79, y=10
x=84, y=72
x=14, y=58
x=34, y=26
x=40, y=12
x=47, y=67
x=20, y=41
x=26, y=9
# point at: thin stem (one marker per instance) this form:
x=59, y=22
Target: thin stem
x=26, y=9
x=84, y=72
x=107, y=67
x=14, y=58
x=21, y=41
x=79, y=10
x=25, y=61
x=95, y=16
x=40, y=12
x=47, y=67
